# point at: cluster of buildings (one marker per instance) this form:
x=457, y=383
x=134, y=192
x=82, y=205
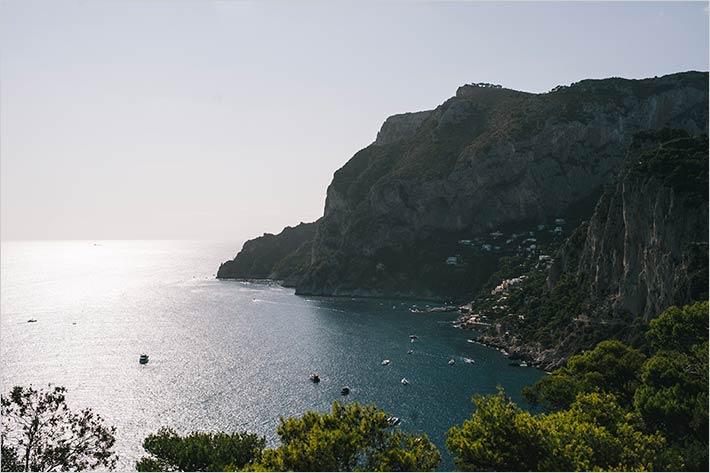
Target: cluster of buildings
x=525, y=243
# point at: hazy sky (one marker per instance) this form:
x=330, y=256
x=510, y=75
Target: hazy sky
x=225, y=120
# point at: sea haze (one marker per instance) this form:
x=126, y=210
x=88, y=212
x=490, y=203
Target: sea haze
x=224, y=355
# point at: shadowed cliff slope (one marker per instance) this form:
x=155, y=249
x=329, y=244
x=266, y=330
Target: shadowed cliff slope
x=486, y=158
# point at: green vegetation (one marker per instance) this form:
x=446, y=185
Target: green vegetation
x=668, y=391
x=200, y=451
x=40, y=433
x=594, y=434
x=349, y=438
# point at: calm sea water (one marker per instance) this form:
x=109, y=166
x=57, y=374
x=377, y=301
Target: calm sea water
x=224, y=355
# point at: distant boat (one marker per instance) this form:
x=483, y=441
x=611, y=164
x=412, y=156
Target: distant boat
x=410, y=352
x=470, y=340
x=523, y=364
x=314, y=377
x=345, y=391
x=452, y=362
x=31, y=321
x=413, y=337
x=469, y=361
x=404, y=381
x=392, y=421
x=143, y=359
x=385, y=362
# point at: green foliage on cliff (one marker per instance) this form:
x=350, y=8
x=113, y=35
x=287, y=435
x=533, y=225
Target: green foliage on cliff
x=349, y=438
x=199, y=451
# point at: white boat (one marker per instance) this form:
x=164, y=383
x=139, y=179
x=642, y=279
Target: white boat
x=470, y=340
x=523, y=364
x=385, y=362
x=452, y=362
x=469, y=361
x=314, y=377
x=404, y=381
x=410, y=352
x=392, y=421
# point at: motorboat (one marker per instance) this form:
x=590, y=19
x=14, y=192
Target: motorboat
x=524, y=364
x=385, y=362
x=143, y=359
x=392, y=420
x=413, y=337
x=31, y=321
x=404, y=381
x=345, y=391
x=314, y=377
x=469, y=361
x=410, y=352
x=452, y=362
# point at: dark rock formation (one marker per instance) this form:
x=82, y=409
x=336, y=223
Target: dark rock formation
x=485, y=158
x=646, y=245
x=279, y=257
x=644, y=249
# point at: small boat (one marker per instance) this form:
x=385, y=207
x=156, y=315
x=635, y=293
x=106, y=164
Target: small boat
x=314, y=377
x=523, y=364
x=410, y=352
x=452, y=362
x=469, y=361
x=469, y=340
x=31, y=321
x=143, y=359
x=385, y=362
x=392, y=420
x=404, y=381
x=413, y=337
x=345, y=391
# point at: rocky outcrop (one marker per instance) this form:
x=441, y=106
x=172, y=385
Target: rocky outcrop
x=400, y=127
x=280, y=257
x=486, y=158
x=646, y=246
x=644, y=249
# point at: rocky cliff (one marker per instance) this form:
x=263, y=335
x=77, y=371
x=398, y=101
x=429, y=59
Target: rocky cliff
x=644, y=249
x=486, y=158
x=279, y=257
x=646, y=245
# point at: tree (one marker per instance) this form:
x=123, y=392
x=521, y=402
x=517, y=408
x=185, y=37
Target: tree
x=200, y=451
x=594, y=434
x=673, y=395
x=40, y=433
x=499, y=437
x=610, y=367
x=679, y=329
x=349, y=438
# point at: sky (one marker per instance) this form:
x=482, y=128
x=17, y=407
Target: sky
x=224, y=120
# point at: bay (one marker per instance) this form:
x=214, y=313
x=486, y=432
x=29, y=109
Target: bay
x=224, y=355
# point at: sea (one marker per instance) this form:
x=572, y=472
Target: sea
x=224, y=355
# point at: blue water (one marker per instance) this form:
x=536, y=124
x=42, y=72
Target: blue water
x=224, y=355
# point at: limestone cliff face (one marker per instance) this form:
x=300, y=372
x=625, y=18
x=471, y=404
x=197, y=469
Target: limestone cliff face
x=646, y=244
x=484, y=158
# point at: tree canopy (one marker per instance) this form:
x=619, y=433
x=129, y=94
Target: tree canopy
x=199, y=451
x=41, y=433
x=349, y=438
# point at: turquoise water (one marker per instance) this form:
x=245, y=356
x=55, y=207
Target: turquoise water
x=224, y=355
